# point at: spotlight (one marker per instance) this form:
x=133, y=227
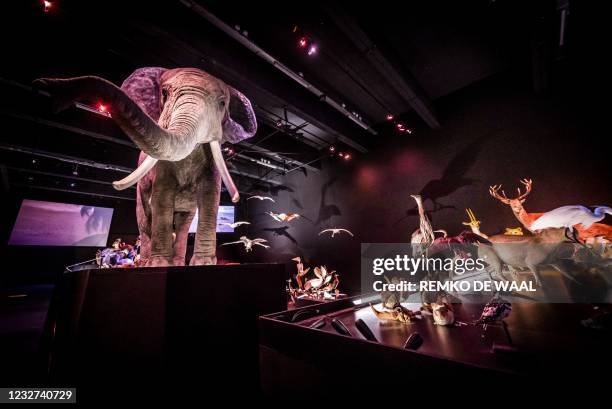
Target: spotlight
x=279, y=123
x=389, y=117
x=332, y=149
x=102, y=108
x=303, y=42
x=347, y=156
x=312, y=50
x=75, y=171
x=34, y=161
x=72, y=184
x=47, y=6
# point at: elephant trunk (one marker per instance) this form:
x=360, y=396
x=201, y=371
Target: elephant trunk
x=152, y=139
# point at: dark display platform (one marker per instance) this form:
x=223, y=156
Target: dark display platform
x=161, y=327
x=548, y=342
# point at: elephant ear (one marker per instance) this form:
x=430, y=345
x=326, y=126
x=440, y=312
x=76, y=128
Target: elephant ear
x=143, y=87
x=241, y=123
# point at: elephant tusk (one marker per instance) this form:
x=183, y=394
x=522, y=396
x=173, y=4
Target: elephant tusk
x=136, y=175
x=215, y=148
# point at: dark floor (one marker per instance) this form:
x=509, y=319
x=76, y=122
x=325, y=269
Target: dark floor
x=22, y=316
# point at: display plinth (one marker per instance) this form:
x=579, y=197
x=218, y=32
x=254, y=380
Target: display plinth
x=160, y=326
x=548, y=343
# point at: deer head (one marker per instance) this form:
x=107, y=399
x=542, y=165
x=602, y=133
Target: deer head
x=516, y=203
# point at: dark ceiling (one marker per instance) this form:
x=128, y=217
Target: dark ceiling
x=372, y=60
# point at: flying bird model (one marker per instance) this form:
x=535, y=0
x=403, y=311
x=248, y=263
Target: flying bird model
x=283, y=217
x=248, y=243
x=335, y=231
x=261, y=198
x=235, y=224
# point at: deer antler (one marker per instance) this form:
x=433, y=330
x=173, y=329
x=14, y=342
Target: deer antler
x=494, y=191
x=527, y=183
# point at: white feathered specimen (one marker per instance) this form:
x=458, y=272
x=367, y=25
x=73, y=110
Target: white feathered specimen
x=569, y=216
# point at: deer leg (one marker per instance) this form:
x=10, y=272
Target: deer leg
x=536, y=275
x=564, y=272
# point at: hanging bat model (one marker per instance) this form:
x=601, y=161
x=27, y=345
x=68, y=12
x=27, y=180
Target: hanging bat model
x=248, y=243
x=261, y=198
x=283, y=217
x=335, y=231
x=235, y=224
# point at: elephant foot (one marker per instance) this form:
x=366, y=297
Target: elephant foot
x=178, y=261
x=198, y=260
x=158, y=261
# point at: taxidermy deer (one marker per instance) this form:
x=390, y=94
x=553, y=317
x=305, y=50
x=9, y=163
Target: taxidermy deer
x=527, y=219
x=520, y=252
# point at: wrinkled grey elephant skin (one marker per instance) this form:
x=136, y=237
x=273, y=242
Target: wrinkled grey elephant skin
x=178, y=118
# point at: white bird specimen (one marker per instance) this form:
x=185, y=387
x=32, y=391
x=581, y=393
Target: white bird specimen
x=235, y=224
x=261, y=198
x=335, y=231
x=248, y=243
x=283, y=217
x=569, y=216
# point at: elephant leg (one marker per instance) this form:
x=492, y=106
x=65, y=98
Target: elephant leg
x=162, y=212
x=209, y=191
x=143, y=217
x=182, y=221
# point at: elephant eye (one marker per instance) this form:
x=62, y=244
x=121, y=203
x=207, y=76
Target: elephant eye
x=222, y=103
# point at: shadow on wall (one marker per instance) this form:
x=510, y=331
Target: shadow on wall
x=454, y=177
x=327, y=210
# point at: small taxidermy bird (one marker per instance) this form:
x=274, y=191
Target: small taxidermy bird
x=248, y=243
x=283, y=217
x=261, y=198
x=335, y=231
x=235, y=224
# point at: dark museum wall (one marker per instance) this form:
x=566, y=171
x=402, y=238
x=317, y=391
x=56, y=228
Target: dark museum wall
x=496, y=132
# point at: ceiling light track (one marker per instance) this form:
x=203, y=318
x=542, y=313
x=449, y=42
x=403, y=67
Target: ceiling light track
x=236, y=35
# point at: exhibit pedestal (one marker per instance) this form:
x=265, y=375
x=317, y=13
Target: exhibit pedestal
x=161, y=327
x=303, y=350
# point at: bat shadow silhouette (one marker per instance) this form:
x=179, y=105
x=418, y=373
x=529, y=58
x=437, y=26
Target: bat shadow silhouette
x=326, y=210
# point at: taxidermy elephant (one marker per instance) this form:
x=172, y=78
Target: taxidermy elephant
x=178, y=118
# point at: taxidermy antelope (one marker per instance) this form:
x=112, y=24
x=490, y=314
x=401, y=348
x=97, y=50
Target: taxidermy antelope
x=527, y=219
x=474, y=224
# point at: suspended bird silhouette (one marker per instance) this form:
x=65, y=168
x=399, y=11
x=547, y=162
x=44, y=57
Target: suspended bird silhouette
x=248, y=243
x=335, y=231
x=281, y=231
x=283, y=217
x=235, y=224
x=569, y=216
x=262, y=198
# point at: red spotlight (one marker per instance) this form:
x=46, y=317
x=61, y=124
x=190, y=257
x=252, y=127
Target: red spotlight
x=347, y=156
x=47, y=6
x=102, y=108
x=303, y=42
x=389, y=117
x=401, y=126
